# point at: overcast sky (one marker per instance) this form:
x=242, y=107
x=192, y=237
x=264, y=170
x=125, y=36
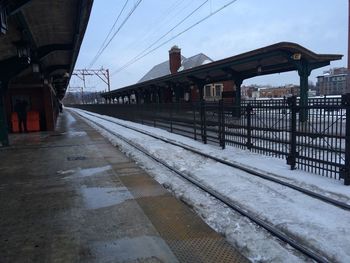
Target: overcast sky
x=319, y=25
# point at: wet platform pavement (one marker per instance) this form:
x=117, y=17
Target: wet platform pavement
x=70, y=196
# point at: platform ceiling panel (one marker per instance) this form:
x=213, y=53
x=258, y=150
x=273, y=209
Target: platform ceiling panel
x=57, y=58
x=52, y=22
x=7, y=49
x=52, y=30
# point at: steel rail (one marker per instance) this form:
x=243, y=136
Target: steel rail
x=250, y=215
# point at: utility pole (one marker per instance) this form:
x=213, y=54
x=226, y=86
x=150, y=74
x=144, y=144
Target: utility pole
x=108, y=81
x=75, y=90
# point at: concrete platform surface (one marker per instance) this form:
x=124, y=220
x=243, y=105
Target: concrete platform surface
x=70, y=196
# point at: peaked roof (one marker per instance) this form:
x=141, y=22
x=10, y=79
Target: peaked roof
x=163, y=68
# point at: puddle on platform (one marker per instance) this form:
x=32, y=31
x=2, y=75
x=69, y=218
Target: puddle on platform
x=136, y=249
x=99, y=197
x=70, y=119
x=80, y=173
x=75, y=133
x=94, y=171
x=63, y=172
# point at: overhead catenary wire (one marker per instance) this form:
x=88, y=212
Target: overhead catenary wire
x=109, y=33
x=167, y=16
x=177, y=35
x=170, y=9
x=117, y=31
x=168, y=32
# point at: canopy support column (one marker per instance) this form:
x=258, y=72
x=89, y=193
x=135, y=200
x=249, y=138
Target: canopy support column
x=304, y=71
x=4, y=140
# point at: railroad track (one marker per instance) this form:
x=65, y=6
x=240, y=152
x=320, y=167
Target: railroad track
x=292, y=241
x=315, y=195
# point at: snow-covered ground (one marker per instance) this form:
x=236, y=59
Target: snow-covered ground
x=323, y=227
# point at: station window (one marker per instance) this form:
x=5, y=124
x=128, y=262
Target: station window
x=207, y=91
x=218, y=90
x=213, y=92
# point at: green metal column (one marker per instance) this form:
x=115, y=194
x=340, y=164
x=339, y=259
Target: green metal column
x=200, y=87
x=4, y=140
x=177, y=91
x=137, y=97
x=304, y=73
x=160, y=95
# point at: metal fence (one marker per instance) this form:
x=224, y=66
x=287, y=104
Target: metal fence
x=271, y=127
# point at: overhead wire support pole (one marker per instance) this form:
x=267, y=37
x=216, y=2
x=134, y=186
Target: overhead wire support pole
x=108, y=80
x=102, y=74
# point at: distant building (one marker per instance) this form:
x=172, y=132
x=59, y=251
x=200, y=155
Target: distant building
x=280, y=92
x=267, y=91
x=250, y=92
x=177, y=63
x=312, y=93
x=332, y=82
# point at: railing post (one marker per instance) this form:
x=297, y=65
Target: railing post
x=221, y=124
x=249, y=110
x=155, y=112
x=137, y=112
x=134, y=111
x=141, y=112
x=345, y=170
x=194, y=120
x=171, y=116
x=291, y=158
x=203, y=122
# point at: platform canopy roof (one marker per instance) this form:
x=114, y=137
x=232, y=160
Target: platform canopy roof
x=52, y=30
x=277, y=58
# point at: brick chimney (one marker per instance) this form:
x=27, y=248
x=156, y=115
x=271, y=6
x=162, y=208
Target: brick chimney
x=174, y=59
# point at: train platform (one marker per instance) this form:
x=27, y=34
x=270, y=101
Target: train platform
x=71, y=196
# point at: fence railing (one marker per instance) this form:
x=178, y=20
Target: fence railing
x=271, y=127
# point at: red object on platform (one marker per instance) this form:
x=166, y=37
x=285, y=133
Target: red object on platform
x=33, y=121
x=14, y=122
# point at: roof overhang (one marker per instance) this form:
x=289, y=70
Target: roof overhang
x=277, y=58
x=53, y=31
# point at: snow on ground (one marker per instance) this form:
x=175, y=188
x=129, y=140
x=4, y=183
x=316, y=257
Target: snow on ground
x=267, y=165
x=324, y=227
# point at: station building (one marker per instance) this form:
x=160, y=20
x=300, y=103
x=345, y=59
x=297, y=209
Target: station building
x=332, y=82
x=39, y=45
x=177, y=63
